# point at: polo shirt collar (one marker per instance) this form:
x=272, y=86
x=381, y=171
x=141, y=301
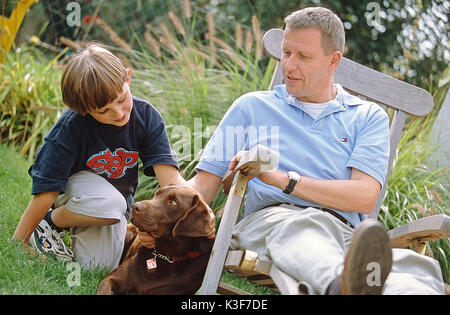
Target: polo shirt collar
x=342, y=100
x=346, y=98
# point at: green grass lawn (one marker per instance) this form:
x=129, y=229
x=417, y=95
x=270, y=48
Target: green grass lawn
x=20, y=273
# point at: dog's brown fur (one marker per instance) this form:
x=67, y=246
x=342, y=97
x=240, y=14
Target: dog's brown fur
x=182, y=219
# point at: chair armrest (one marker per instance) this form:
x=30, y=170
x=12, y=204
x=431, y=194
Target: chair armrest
x=255, y=161
x=425, y=229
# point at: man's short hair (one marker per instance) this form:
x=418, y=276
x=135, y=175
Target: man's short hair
x=330, y=25
x=92, y=78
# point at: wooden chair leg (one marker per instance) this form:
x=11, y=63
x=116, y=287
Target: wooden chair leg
x=222, y=243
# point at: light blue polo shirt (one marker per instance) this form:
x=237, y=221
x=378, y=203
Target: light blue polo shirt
x=349, y=133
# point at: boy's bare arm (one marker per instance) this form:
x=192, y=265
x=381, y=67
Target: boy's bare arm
x=36, y=210
x=207, y=184
x=168, y=175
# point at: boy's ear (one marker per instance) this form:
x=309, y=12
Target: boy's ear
x=128, y=76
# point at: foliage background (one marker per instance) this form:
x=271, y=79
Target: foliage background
x=410, y=40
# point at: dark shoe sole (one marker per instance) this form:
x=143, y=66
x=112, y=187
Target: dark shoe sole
x=368, y=261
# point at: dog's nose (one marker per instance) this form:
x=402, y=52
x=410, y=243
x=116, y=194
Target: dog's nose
x=136, y=207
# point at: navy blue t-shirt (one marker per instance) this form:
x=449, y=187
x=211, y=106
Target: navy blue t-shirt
x=78, y=142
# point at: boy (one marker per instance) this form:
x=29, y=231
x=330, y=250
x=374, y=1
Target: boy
x=87, y=168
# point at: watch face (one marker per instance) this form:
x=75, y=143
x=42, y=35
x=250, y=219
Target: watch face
x=294, y=175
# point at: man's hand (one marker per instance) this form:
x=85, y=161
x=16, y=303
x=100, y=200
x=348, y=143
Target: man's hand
x=274, y=177
x=235, y=160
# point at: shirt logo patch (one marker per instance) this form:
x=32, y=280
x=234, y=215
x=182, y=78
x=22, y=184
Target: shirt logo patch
x=115, y=164
x=344, y=139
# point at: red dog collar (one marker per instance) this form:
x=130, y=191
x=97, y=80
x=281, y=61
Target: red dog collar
x=188, y=255
x=192, y=254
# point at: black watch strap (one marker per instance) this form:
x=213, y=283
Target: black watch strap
x=294, y=178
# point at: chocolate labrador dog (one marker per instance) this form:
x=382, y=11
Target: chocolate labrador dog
x=182, y=220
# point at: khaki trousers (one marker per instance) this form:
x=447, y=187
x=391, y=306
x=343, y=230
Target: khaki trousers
x=310, y=246
x=90, y=194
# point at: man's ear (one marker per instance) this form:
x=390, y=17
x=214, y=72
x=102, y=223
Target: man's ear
x=198, y=221
x=335, y=59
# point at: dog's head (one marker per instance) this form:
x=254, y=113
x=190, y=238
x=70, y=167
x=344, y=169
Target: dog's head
x=174, y=211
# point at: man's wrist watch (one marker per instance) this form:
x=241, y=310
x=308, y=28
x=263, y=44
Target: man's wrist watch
x=294, y=178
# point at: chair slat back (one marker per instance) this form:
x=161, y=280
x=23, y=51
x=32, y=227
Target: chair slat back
x=403, y=98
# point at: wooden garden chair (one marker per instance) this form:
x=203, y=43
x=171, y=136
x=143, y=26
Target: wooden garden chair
x=404, y=99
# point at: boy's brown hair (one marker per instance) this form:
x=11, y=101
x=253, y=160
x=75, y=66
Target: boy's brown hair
x=93, y=78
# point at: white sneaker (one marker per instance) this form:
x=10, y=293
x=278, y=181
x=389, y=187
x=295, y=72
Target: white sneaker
x=48, y=241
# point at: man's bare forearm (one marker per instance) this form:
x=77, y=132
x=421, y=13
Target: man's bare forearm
x=357, y=194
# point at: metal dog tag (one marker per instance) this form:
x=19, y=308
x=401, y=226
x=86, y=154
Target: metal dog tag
x=151, y=263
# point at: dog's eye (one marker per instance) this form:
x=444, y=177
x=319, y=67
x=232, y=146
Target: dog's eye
x=173, y=202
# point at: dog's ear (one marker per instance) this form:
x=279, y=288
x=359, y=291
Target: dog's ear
x=197, y=221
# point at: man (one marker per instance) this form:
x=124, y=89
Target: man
x=334, y=151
